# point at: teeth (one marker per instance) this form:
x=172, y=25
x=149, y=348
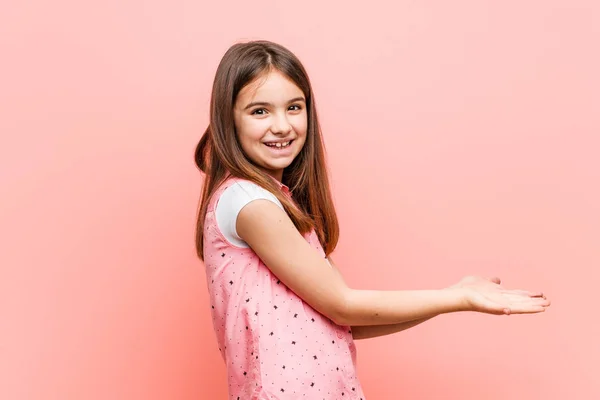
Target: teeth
x=279, y=145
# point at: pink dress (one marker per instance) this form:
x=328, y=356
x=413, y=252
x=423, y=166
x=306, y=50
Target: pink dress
x=275, y=346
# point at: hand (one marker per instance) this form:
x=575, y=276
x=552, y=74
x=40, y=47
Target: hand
x=488, y=296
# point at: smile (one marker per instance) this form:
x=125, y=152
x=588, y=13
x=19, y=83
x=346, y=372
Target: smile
x=278, y=146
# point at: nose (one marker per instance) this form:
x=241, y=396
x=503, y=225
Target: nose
x=280, y=124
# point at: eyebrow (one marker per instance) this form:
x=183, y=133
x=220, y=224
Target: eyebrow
x=262, y=103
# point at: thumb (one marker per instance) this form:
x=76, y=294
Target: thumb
x=495, y=279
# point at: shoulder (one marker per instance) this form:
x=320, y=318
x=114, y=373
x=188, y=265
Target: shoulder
x=239, y=192
x=235, y=196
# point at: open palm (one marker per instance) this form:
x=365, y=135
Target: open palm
x=489, y=296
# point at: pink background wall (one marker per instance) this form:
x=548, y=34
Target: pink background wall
x=463, y=138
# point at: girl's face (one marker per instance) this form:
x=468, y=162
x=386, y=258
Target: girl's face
x=271, y=121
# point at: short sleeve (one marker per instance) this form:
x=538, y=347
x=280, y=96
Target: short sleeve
x=231, y=202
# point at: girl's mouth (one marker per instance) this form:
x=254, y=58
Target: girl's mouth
x=280, y=146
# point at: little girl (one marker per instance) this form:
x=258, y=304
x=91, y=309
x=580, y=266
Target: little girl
x=284, y=318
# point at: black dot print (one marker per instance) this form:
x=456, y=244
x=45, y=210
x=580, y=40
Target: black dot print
x=269, y=335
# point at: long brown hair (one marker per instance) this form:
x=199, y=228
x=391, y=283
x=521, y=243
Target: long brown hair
x=219, y=152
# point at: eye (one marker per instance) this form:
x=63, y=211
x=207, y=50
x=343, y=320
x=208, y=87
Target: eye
x=258, y=109
x=299, y=107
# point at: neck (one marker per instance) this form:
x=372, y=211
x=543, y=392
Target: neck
x=278, y=176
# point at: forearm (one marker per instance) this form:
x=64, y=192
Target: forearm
x=367, y=332
x=378, y=307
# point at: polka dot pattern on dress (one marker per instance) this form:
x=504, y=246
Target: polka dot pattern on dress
x=275, y=346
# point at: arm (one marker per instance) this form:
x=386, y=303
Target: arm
x=367, y=332
x=271, y=234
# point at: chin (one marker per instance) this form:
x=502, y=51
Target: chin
x=278, y=166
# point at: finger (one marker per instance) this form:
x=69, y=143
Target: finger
x=538, y=301
x=520, y=299
x=527, y=309
x=533, y=303
x=523, y=293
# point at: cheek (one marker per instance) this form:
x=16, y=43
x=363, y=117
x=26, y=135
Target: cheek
x=249, y=133
x=300, y=126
